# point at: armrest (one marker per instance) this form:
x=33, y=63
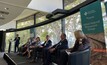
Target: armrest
x=79, y=52
x=79, y=58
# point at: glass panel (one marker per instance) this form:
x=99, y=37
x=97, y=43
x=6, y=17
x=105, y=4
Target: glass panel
x=10, y=37
x=41, y=19
x=72, y=23
x=72, y=3
x=28, y=21
x=105, y=21
x=25, y=34
x=53, y=29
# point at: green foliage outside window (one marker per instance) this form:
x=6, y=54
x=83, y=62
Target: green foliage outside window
x=52, y=29
x=73, y=4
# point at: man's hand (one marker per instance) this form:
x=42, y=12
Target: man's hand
x=68, y=50
x=41, y=46
x=51, y=50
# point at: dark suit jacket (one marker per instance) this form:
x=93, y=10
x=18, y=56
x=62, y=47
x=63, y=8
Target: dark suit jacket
x=80, y=47
x=61, y=45
x=48, y=44
x=17, y=40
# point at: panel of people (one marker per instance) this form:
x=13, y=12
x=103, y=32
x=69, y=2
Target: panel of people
x=59, y=51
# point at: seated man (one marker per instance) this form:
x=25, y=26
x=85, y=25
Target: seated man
x=81, y=44
x=47, y=44
x=55, y=50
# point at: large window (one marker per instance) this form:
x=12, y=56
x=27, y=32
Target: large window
x=105, y=21
x=25, y=34
x=72, y=23
x=52, y=29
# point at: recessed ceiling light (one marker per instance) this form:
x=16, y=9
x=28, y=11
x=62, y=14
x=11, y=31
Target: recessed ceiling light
x=6, y=8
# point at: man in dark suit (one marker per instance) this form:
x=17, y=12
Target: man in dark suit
x=17, y=42
x=47, y=43
x=55, y=50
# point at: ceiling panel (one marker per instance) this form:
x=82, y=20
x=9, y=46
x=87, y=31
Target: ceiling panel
x=10, y=9
x=23, y=3
x=26, y=13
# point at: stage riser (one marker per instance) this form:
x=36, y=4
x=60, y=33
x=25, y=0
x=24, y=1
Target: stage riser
x=9, y=60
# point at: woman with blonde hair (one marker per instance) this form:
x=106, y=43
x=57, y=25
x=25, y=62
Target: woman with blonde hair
x=79, y=34
x=81, y=44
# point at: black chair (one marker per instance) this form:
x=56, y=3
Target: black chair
x=79, y=58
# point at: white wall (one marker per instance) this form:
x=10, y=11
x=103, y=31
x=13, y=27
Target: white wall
x=45, y=5
x=11, y=24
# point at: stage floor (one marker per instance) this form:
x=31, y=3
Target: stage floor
x=21, y=60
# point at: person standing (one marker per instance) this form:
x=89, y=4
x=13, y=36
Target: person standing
x=17, y=42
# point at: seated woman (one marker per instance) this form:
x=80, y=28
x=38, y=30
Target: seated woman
x=23, y=48
x=31, y=43
x=32, y=47
x=81, y=44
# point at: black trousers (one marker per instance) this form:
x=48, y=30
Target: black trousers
x=63, y=58
x=50, y=57
x=16, y=48
x=36, y=51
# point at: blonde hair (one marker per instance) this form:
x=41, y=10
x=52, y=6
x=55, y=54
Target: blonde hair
x=79, y=34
